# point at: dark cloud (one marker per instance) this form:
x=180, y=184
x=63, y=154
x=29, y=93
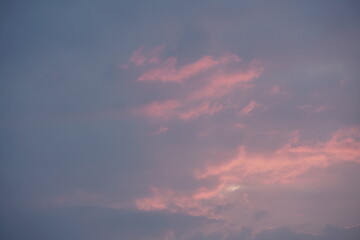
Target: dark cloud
x=282, y=234
x=329, y=233
x=246, y=233
x=95, y=223
x=260, y=214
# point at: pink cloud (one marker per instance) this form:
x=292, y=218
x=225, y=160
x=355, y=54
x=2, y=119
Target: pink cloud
x=282, y=166
x=161, y=130
x=138, y=58
x=313, y=108
x=160, y=110
x=249, y=108
x=156, y=202
x=167, y=71
x=180, y=202
x=154, y=55
x=207, y=94
x=239, y=125
x=203, y=109
x=224, y=83
x=174, y=109
x=291, y=160
x=275, y=90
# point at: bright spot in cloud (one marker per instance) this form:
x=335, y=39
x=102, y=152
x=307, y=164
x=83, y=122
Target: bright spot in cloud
x=232, y=188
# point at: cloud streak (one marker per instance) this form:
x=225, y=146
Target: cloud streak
x=205, y=95
x=283, y=166
x=291, y=160
x=167, y=70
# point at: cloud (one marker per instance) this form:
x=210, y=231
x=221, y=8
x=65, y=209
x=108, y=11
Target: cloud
x=174, y=109
x=65, y=128
x=223, y=83
x=176, y=202
x=99, y=223
x=291, y=160
x=206, y=94
x=249, y=108
x=160, y=110
x=274, y=90
x=140, y=58
x=313, y=108
x=137, y=57
x=229, y=177
x=260, y=214
x=105, y=223
x=277, y=90
x=167, y=70
x=330, y=232
x=161, y=130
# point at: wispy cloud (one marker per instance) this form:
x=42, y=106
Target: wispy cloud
x=249, y=108
x=284, y=165
x=168, y=69
x=139, y=57
x=206, y=94
x=161, y=130
x=291, y=160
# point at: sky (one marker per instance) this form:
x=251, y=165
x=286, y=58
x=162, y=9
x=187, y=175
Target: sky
x=180, y=120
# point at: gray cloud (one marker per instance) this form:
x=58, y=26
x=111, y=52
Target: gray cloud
x=330, y=232
x=95, y=223
x=66, y=138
